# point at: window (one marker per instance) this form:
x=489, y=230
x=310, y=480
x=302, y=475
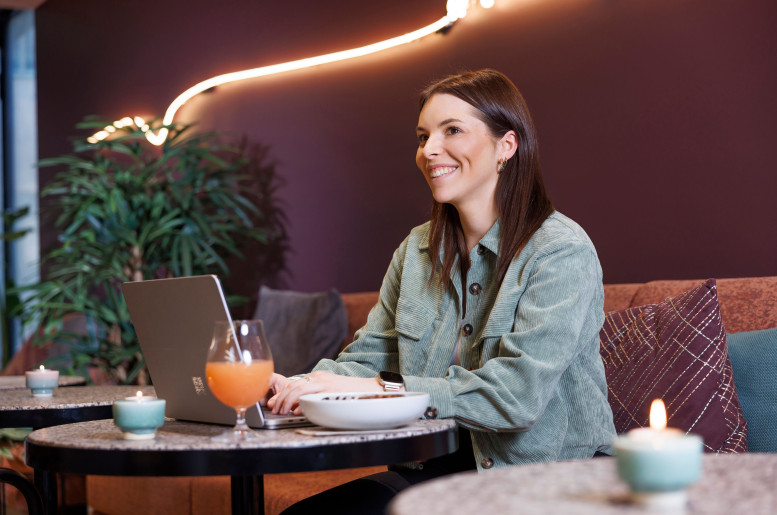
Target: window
x=19, y=185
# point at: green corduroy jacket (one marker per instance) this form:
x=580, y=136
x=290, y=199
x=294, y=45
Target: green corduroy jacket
x=531, y=384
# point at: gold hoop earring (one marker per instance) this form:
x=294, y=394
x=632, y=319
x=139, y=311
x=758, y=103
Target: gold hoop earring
x=500, y=165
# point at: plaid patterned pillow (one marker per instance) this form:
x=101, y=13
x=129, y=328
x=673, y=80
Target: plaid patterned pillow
x=675, y=351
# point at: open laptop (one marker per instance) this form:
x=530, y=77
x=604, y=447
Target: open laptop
x=174, y=319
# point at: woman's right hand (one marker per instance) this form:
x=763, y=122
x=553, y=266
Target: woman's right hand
x=277, y=383
x=286, y=400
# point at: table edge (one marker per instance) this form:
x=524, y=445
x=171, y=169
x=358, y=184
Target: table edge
x=240, y=461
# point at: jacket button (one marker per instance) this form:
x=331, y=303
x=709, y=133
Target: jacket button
x=475, y=289
x=486, y=463
x=481, y=250
x=467, y=329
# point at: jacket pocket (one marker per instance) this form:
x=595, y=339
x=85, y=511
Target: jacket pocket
x=413, y=319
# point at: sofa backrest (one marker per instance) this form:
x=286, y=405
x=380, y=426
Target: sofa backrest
x=746, y=304
x=357, y=306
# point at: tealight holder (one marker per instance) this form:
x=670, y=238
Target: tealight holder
x=42, y=381
x=658, y=464
x=139, y=417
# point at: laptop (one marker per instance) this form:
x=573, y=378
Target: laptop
x=174, y=319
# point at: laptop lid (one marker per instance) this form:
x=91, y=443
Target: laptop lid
x=174, y=319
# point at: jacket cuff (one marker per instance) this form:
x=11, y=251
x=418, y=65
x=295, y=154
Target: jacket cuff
x=439, y=390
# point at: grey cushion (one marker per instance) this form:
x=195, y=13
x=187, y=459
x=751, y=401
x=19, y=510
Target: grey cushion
x=302, y=327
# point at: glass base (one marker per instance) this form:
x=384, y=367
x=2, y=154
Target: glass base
x=236, y=436
x=240, y=433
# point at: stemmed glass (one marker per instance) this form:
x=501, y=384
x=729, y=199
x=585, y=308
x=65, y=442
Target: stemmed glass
x=238, y=370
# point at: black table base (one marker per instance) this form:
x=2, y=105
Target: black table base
x=247, y=495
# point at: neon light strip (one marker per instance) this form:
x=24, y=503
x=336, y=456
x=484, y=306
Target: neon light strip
x=456, y=9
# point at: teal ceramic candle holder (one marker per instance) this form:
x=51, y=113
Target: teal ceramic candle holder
x=139, y=417
x=658, y=465
x=42, y=381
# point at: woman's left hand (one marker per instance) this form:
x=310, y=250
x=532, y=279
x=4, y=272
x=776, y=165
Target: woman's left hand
x=287, y=399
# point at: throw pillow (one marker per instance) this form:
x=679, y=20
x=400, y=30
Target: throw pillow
x=676, y=351
x=754, y=362
x=302, y=327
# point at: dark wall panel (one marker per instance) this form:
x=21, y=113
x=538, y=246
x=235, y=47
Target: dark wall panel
x=656, y=117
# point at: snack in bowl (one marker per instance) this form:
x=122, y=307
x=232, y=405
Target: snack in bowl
x=364, y=410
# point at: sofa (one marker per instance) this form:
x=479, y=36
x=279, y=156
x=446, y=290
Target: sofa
x=641, y=318
x=743, y=306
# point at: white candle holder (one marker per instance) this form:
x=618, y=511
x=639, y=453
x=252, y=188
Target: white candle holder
x=42, y=381
x=658, y=463
x=139, y=417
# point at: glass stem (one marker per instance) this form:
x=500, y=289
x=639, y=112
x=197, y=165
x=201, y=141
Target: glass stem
x=241, y=420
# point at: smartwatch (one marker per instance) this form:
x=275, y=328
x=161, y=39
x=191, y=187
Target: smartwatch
x=391, y=381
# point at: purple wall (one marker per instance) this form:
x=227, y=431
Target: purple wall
x=656, y=117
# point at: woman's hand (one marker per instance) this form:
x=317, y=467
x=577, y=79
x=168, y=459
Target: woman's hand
x=288, y=391
x=277, y=383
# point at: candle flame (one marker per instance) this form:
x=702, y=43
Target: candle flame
x=41, y=367
x=658, y=415
x=139, y=395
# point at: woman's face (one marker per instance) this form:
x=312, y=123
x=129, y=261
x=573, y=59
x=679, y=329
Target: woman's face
x=457, y=153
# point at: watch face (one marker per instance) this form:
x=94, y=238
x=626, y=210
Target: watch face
x=391, y=377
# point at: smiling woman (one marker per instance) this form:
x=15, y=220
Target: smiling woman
x=492, y=308
x=517, y=191
x=459, y=157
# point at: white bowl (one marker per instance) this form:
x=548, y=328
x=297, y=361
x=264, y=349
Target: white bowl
x=364, y=410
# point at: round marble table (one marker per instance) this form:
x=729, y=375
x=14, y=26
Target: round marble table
x=20, y=382
x=18, y=408
x=730, y=483
x=186, y=449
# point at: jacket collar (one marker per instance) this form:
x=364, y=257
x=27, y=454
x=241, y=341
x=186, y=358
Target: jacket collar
x=490, y=240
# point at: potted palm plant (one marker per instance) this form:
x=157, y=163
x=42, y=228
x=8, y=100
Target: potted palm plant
x=126, y=210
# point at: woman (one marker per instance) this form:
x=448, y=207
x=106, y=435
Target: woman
x=493, y=307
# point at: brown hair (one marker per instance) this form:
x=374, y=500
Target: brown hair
x=522, y=203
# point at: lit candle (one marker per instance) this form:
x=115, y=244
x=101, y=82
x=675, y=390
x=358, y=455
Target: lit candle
x=657, y=462
x=42, y=381
x=138, y=417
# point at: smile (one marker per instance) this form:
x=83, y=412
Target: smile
x=441, y=170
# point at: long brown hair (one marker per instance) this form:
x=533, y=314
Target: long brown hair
x=522, y=203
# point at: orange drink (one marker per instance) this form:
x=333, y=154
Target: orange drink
x=239, y=385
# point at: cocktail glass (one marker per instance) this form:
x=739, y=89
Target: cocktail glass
x=238, y=371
